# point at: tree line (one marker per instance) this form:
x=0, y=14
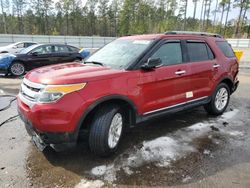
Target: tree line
x=122, y=17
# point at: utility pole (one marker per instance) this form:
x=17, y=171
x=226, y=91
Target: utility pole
x=3, y=17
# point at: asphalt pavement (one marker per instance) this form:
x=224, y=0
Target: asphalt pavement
x=188, y=149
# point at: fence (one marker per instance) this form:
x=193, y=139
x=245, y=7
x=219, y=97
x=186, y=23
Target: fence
x=79, y=41
x=239, y=43
x=86, y=42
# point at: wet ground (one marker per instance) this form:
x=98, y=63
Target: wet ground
x=189, y=149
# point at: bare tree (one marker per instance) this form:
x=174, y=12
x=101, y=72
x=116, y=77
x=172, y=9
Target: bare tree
x=240, y=4
x=215, y=12
x=228, y=2
x=202, y=8
x=195, y=8
x=222, y=5
x=18, y=9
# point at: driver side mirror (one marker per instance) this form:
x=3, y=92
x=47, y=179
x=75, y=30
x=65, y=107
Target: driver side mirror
x=152, y=64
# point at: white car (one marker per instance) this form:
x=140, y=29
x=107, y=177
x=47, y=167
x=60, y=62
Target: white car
x=16, y=47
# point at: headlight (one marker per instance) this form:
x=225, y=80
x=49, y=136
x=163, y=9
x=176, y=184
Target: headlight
x=52, y=93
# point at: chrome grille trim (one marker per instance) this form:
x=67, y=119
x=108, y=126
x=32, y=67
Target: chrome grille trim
x=33, y=84
x=29, y=92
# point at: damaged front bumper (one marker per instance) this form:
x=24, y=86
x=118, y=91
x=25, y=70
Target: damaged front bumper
x=58, y=141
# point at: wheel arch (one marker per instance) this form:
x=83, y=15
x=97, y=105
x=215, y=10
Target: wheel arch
x=16, y=61
x=124, y=101
x=227, y=80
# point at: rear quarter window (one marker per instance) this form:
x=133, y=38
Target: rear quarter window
x=225, y=48
x=199, y=51
x=73, y=49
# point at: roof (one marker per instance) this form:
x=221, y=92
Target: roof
x=193, y=33
x=172, y=34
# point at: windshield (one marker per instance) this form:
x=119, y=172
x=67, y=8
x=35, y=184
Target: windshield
x=27, y=50
x=119, y=53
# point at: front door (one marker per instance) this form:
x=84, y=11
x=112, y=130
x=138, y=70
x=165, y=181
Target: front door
x=40, y=56
x=165, y=87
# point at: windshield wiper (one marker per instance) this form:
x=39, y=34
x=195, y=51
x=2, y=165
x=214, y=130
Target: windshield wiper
x=94, y=62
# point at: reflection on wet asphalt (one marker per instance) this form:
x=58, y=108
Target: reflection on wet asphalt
x=172, y=151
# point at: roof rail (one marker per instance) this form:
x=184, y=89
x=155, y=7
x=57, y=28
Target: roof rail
x=193, y=33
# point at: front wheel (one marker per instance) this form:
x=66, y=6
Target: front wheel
x=219, y=100
x=106, y=130
x=17, y=69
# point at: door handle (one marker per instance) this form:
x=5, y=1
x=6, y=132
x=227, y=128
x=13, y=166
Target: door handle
x=180, y=72
x=216, y=65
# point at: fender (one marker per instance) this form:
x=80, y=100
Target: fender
x=101, y=100
x=226, y=78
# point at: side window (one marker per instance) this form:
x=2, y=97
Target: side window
x=210, y=53
x=225, y=48
x=20, y=45
x=61, y=49
x=28, y=44
x=43, y=50
x=199, y=51
x=73, y=49
x=169, y=53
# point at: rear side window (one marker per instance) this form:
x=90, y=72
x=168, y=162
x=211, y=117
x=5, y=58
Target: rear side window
x=73, y=49
x=169, y=53
x=199, y=51
x=28, y=44
x=225, y=48
x=61, y=49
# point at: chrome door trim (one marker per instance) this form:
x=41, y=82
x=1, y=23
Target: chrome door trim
x=168, y=107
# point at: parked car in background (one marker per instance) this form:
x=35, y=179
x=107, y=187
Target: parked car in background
x=16, y=47
x=37, y=56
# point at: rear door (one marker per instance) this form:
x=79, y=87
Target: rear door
x=202, y=67
x=166, y=86
x=62, y=54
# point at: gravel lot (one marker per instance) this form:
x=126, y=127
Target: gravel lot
x=189, y=149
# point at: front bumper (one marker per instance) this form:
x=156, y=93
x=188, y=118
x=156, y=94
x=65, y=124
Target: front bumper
x=51, y=124
x=59, y=141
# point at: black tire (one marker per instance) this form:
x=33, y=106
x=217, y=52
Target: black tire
x=100, y=128
x=14, y=71
x=211, y=107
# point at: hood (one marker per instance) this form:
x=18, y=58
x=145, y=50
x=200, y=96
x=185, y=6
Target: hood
x=71, y=73
x=3, y=48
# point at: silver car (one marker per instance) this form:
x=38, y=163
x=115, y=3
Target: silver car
x=16, y=47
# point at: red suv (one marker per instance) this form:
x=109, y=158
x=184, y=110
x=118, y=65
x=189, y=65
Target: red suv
x=130, y=80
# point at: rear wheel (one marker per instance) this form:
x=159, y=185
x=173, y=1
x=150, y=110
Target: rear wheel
x=219, y=100
x=106, y=130
x=17, y=69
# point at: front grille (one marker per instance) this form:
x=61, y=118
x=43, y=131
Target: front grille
x=30, y=90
